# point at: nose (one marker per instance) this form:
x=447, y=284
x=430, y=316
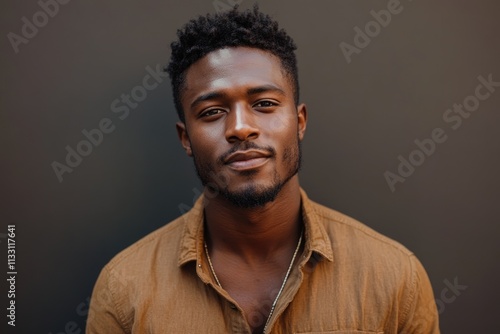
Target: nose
x=241, y=124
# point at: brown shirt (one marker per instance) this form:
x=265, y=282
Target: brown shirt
x=349, y=279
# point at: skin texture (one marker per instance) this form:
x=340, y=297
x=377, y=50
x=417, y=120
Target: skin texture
x=243, y=130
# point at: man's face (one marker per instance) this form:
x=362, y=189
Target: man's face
x=242, y=126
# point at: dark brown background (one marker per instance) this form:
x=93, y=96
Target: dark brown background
x=362, y=116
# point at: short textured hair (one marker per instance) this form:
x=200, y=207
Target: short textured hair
x=250, y=28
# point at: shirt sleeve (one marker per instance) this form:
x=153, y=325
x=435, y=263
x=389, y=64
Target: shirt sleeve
x=420, y=314
x=104, y=315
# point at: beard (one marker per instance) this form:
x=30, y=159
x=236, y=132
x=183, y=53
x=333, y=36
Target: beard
x=253, y=195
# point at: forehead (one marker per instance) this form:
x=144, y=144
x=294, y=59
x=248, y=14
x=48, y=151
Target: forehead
x=234, y=68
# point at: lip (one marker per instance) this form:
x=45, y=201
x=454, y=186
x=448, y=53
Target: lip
x=245, y=160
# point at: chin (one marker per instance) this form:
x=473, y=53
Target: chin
x=252, y=196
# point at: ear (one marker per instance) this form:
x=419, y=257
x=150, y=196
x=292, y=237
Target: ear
x=184, y=138
x=302, y=119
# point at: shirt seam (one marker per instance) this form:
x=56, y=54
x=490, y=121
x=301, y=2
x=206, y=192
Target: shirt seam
x=119, y=312
x=413, y=291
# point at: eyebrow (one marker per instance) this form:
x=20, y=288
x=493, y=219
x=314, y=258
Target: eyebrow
x=250, y=91
x=265, y=88
x=207, y=97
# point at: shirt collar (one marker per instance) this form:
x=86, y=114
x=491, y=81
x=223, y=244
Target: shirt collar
x=316, y=237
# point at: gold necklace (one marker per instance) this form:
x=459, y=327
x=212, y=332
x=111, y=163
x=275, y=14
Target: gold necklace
x=282, y=285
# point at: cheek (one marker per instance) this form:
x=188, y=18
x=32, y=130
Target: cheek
x=207, y=138
x=282, y=123
x=207, y=143
x=283, y=128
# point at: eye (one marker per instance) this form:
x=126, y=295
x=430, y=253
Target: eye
x=211, y=112
x=265, y=104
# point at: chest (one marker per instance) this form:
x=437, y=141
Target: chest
x=255, y=296
x=325, y=300
x=255, y=287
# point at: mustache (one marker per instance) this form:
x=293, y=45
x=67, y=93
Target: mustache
x=244, y=146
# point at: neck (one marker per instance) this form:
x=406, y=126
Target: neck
x=255, y=233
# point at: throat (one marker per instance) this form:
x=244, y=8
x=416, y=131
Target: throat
x=256, y=232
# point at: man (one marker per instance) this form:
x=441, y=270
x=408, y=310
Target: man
x=255, y=255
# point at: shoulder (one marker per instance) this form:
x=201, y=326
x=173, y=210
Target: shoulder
x=366, y=252
x=349, y=232
x=131, y=281
x=389, y=276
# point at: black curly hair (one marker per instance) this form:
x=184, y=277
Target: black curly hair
x=209, y=33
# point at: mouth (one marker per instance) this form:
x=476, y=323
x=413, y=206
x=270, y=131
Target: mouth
x=246, y=160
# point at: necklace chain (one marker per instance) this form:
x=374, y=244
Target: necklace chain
x=282, y=285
